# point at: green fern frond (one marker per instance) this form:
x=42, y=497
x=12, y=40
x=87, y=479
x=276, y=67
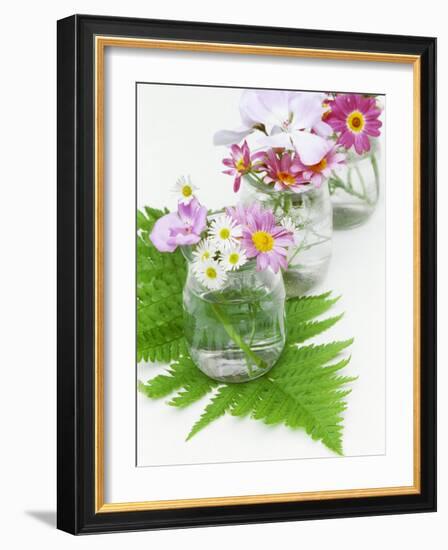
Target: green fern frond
x=221, y=402
x=163, y=343
x=306, y=308
x=160, y=281
x=299, y=332
x=183, y=374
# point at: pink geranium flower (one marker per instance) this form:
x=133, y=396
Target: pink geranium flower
x=355, y=118
x=183, y=227
x=264, y=240
x=318, y=173
x=240, y=162
x=284, y=171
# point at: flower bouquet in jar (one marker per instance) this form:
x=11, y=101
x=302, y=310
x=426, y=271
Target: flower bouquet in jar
x=234, y=296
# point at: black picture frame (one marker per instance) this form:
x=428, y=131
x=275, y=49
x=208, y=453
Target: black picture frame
x=76, y=254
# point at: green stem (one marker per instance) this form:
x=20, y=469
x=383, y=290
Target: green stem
x=337, y=182
x=233, y=334
x=257, y=182
x=361, y=179
x=253, y=316
x=307, y=247
x=377, y=175
x=298, y=249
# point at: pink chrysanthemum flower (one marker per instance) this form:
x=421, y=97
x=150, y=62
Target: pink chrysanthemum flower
x=318, y=173
x=285, y=172
x=355, y=118
x=264, y=240
x=241, y=162
x=241, y=213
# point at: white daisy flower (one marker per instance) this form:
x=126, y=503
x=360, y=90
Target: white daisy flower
x=225, y=232
x=290, y=226
x=204, y=251
x=211, y=274
x=184, y=189
x=233, y=258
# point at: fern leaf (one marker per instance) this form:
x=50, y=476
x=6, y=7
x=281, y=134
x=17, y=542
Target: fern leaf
x=250, y=395
x=195, y=385
x=221, y=402
x=183, y=374
x=161, y=343
x=293, y=358
x=306, y=308
x=298, y=333
x=160, y=281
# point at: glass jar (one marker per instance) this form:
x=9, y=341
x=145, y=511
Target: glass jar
x=236, y=333
x=310, y=212
x=355, y=189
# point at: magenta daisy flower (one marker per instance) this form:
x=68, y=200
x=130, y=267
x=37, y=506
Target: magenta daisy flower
x=284, y=171
x=264, y=240
x=241, y=213
x=318, y=173
x=355, y=118
x=240, y=162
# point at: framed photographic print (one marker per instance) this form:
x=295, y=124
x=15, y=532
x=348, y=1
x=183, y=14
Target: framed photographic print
x=246, y=274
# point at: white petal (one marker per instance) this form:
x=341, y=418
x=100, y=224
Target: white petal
x=311, y=148
x=307, y=110
x=228, y=137
x=268, y=107
x=282, y=139
x=322, y=128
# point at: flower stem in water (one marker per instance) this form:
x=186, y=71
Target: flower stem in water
x=233, y=334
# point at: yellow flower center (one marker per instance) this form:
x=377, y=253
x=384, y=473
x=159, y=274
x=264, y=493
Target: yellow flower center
x=264, y=242
x=241, y=166
x=211, y=273
x=233, y=258
x=356, y=121
x=205, y=255
x=286, y=178
x=187, y=191
x=224, y=233
x=319, y=166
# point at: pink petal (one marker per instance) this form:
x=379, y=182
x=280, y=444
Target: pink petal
x=200, y=220
x=362, y=143
x=161, y=232
x=182, y=239
x=237, y=184
x=346, y=139
x=262, y=262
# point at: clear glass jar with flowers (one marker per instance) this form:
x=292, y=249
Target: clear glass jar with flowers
x=355, y=189
x=294, y=157
x=234, y=296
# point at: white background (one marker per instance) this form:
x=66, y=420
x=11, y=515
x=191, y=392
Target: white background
x=182, y=142
x=27, y=293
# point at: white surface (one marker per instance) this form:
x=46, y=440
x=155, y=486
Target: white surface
x=124, y=482
x=357, y=273
x=28, y=403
